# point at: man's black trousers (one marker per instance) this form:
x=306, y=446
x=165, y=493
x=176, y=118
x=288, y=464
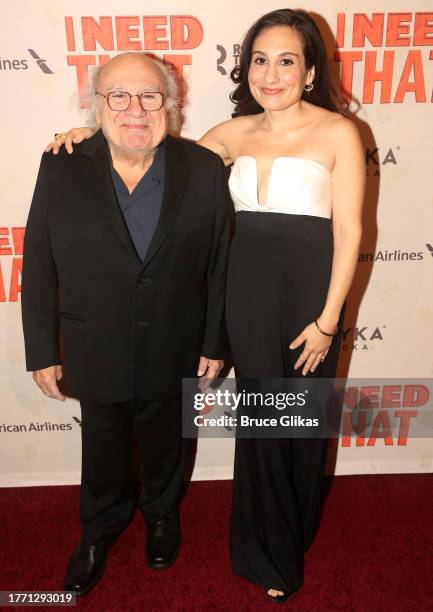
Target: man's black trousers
x=109, y=482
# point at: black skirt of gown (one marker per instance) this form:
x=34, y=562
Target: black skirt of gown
x=278, y=279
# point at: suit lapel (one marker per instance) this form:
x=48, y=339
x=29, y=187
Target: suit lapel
x=98, y=175
x=176, y=179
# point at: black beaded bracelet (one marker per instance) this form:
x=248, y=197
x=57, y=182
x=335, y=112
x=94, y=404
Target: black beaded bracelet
x=324, y=332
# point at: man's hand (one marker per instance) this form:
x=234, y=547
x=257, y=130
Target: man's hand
x=210, y=368
x=46, y=380
x=207, y=370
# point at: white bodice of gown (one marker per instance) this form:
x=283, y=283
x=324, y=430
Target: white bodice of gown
x=296, y=186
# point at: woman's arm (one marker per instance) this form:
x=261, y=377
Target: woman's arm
x=75, y=135
x=348, y=188
x=217, y=140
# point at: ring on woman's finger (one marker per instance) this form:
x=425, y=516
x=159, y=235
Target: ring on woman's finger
x=59, y=135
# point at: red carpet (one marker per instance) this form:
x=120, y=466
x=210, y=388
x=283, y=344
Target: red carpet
x=373, y=551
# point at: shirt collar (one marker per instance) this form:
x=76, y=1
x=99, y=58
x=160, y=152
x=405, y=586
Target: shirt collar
x=151, y=179
x=157, y=167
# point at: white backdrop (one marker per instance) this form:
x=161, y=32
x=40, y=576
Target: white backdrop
x=385, y=52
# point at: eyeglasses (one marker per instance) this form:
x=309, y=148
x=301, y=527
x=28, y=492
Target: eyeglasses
x=121, y=100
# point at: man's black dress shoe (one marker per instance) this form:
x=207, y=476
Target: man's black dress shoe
x=85, y=568
x=163, y=541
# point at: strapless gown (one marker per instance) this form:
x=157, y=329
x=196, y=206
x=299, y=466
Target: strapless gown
x=279, y=273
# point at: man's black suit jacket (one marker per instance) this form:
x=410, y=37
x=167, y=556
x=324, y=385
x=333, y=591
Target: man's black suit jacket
x=127, y=328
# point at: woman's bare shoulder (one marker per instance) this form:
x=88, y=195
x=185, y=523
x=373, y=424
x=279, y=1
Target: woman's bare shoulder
x=343, y=131
x=334, y=126
x=343, y=136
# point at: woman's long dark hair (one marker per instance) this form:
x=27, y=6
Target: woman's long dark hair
x=323, y=94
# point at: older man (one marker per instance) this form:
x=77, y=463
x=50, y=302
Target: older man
x=125, y=261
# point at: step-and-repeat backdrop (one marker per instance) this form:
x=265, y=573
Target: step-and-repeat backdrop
x=383, y=53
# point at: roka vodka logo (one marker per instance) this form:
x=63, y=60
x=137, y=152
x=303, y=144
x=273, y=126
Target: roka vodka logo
x=361, y=338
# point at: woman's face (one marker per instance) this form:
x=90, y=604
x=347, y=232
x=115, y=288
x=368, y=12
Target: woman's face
x=277, y=74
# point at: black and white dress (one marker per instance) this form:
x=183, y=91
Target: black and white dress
x=279, y=275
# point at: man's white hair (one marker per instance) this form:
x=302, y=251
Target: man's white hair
x=171, y=101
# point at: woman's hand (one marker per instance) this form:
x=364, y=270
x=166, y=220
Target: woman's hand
x=316, y=348
x=75, y=135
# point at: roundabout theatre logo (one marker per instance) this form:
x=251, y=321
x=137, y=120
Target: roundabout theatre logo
x=388, y=55
x=235, y=54
x=91, y=41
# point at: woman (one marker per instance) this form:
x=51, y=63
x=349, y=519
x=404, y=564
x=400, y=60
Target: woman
x=296, y=162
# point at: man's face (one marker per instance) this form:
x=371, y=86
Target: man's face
x=133, y=130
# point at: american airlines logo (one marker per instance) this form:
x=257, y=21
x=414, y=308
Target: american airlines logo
x=42, y=63
x=393, y=255
x=14, y=63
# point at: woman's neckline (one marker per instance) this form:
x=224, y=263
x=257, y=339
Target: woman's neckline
x=288, y=157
